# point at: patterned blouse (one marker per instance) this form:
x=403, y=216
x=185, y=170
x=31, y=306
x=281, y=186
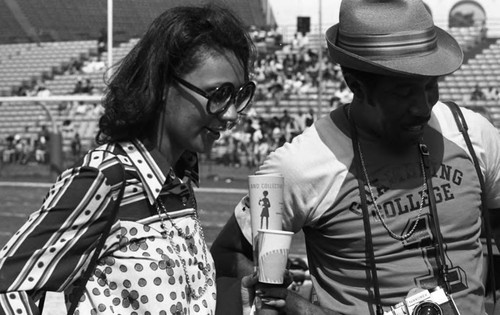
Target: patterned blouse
x=154, y=261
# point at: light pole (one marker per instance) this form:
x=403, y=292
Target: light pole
x=320, y=61
x=110, y=38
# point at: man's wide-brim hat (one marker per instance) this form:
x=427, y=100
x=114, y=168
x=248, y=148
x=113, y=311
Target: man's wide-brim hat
x=392, y=37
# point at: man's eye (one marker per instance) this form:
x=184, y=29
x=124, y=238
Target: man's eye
x=403, y=91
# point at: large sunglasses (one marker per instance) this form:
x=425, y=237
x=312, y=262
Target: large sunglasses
x=220, y=98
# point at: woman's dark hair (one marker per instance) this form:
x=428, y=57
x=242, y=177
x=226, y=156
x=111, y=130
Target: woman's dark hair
x=175, y=43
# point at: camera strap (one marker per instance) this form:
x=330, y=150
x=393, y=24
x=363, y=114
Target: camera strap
x=370, y=253
x=441, y=260
x=462, y=127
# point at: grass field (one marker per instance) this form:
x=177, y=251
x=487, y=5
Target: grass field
x=22, y=189
x=221, y=189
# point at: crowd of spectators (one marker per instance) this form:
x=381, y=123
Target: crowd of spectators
x=26, y=147
x=486, y=93
x=291, y=72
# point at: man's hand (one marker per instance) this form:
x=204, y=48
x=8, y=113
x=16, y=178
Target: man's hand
x=252, y=291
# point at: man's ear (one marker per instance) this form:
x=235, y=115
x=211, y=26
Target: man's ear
x=356, y=86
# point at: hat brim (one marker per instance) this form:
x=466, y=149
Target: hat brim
x=445, y=59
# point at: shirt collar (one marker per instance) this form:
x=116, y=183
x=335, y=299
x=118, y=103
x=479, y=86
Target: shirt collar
x=152, y=166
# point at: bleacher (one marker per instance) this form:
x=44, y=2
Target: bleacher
x=69, y=20
x=21, y=63
x=40, y=39
x=484, y=71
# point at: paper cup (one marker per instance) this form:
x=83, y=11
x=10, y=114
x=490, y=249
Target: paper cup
x=273, y=248
x=266, y=202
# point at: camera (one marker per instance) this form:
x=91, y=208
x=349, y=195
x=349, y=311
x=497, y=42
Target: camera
x=426, y=302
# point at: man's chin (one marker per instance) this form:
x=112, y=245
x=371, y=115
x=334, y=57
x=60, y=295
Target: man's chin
x=402, y=144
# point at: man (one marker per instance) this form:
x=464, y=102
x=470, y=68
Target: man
x=357, y=181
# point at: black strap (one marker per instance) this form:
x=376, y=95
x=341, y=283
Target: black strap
x=78, y=292
x=366, y=219
x=462, y=126
x=441, y=260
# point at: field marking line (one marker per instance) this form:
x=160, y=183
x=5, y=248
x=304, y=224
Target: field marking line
x=202, y=189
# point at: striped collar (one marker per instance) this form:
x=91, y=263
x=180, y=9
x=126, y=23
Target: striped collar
x=152, y=166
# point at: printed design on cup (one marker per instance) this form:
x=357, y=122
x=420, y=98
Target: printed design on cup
x=272, y=255
x=272, y=263
x=266, y=202
x=264, y=214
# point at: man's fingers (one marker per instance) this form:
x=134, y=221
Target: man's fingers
x=272, y=292
x=249, y=281
x=278, y=303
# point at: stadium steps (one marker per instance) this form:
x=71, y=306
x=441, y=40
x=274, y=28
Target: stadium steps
x=67, y=20
x=38, y=62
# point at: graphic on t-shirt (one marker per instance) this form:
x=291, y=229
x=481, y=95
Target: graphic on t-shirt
x=390, y=205
x=422, y=238
x=264, y=214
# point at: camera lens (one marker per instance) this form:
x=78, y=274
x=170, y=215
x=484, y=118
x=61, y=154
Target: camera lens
x=427, y=308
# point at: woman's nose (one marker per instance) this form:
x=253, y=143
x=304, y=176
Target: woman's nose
x=230, y=114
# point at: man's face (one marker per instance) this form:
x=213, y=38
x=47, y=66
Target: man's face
x=401, y=107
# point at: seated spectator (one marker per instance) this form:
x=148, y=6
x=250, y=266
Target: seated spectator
x=491, y=93
x=93, y=65
x=81, y=108
x=9, y=151
x=335, y=102
x=101, y=42
x=300, y=121
x=43, y=91
x=310, y=117
x=88, y=87
x=62, y=108
x=40, y=150
x=78, y=89
x=76, y=146
x=477, y=94
x=67, y=129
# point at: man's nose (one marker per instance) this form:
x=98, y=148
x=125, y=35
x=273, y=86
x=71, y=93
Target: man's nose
x=421, y=106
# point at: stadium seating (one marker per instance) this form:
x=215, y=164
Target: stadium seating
x=70, y=20
x=24, y=63
x=27, y=62
x=484, y=71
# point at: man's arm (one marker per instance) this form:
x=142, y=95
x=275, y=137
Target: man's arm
x=495, y=229
x=232, y=255
x=297, y=305
x=232, y=252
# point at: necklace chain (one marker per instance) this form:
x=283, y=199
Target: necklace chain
x=203, y=266
x=379, y=215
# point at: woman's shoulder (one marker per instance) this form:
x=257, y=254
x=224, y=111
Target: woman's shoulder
x=107, y=159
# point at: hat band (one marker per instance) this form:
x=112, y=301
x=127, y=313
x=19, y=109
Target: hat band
x=397, y=44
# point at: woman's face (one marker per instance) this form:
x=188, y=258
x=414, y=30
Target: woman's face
x=187, y=124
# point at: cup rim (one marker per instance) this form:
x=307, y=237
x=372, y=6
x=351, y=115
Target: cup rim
x=275, y=231
x=268, y=175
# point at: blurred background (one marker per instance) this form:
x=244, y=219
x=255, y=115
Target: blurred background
x=55, y=58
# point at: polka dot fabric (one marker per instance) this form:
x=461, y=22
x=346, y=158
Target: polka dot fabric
x=141, y=273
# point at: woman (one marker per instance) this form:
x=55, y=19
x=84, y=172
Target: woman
x=183, y=84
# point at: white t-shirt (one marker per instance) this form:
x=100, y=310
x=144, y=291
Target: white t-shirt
x=321, y=197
